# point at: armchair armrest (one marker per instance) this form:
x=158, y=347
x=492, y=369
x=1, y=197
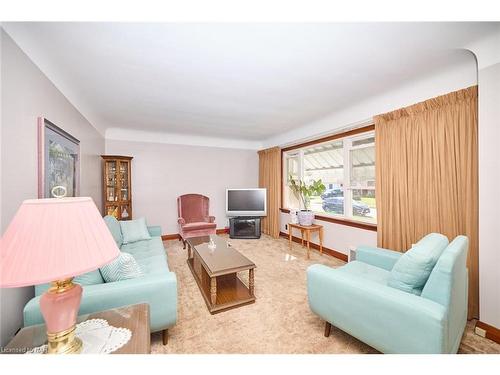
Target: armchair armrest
x=154, y=231
x=388, y=319
x=377, y=256
x=181, y=221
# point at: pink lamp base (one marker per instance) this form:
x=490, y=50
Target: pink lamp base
x=59, y=307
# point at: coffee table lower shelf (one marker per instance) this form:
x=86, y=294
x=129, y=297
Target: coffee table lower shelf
x=231, y=292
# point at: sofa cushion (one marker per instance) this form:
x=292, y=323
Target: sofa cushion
x=114, y=228
x=154, y=244
x=153, y=265
x=134, y=230
x=123, y=268
x=145, y=252
x=411, y=271
x=366, y=271
x=198, y=225
x=89, y=278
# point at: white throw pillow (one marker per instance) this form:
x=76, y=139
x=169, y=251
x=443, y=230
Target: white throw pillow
x=134, y=230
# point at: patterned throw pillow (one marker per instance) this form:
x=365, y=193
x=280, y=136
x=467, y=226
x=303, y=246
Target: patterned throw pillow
x=122, y=268
x=89, y=278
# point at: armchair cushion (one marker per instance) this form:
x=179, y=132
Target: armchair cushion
x=366, y=271
x=198, y=225
x=411, y=271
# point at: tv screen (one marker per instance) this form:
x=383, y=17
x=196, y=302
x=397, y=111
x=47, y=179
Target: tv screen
x=246, y=202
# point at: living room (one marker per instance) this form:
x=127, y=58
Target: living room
x=249, y=188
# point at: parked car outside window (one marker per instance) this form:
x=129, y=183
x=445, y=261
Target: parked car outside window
x=336, y=205
x=330, y=193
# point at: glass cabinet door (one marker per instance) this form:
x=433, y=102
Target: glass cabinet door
x=124, y=181
x=125, y=211
x=111, y=181
x=113, y=210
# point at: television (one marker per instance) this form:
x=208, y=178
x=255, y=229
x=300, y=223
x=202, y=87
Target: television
x=246, y=202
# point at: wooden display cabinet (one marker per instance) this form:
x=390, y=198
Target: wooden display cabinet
x=117, y=189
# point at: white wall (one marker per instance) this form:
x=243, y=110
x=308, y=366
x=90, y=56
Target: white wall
x=488, y=61
x=26, y=95
x=452, y=79
x=489, y=184
x=161, y=172
x=336, y=236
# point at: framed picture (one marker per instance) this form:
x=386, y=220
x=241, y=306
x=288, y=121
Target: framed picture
x=58, y=161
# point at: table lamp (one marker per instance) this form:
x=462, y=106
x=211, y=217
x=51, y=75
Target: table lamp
x=53, y=240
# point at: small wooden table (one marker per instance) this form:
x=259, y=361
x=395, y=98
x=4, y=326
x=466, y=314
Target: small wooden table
x=308, y=230
x=133, y=317
x=216, y=273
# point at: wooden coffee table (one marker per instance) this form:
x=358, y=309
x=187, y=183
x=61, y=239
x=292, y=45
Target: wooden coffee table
x=133, y=317
x=216, y=273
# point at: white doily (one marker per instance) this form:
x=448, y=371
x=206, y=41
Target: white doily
x=97, y=336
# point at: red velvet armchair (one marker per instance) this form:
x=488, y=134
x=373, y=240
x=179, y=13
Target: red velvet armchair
x=194, y=219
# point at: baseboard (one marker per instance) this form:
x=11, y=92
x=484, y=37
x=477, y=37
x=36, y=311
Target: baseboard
x=166, y=237
x=485, y=330
x=326, y=250
x=176, y=236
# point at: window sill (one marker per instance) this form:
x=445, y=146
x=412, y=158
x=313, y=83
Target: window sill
x=347, y=222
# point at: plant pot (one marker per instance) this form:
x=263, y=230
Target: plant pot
x=306, y=217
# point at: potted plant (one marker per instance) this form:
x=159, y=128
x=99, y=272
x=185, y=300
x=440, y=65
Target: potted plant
x=304, y=192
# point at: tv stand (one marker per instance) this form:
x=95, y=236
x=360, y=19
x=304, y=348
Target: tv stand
x=244, y=227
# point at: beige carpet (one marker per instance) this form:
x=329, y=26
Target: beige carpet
x=280, y=321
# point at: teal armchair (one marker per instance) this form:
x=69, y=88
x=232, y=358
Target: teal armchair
x=357, y=299
x=158, y=286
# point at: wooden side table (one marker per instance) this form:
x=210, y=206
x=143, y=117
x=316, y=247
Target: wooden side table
x=308, y=230
x=133, y=317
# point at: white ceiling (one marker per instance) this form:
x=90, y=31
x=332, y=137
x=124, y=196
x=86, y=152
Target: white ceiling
x=238, y=81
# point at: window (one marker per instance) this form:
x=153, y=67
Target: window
x=292, y=168
x=347, y=168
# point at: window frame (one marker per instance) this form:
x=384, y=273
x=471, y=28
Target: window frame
x=346, y=136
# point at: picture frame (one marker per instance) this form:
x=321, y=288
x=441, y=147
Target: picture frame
x=58, y=161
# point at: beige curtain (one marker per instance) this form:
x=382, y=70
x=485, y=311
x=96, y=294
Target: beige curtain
x=427, y=175
x=270, y=178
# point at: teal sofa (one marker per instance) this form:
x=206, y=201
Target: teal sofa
x=158, y=286
x=357, y=299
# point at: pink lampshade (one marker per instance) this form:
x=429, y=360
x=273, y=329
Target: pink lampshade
x=54, y=239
